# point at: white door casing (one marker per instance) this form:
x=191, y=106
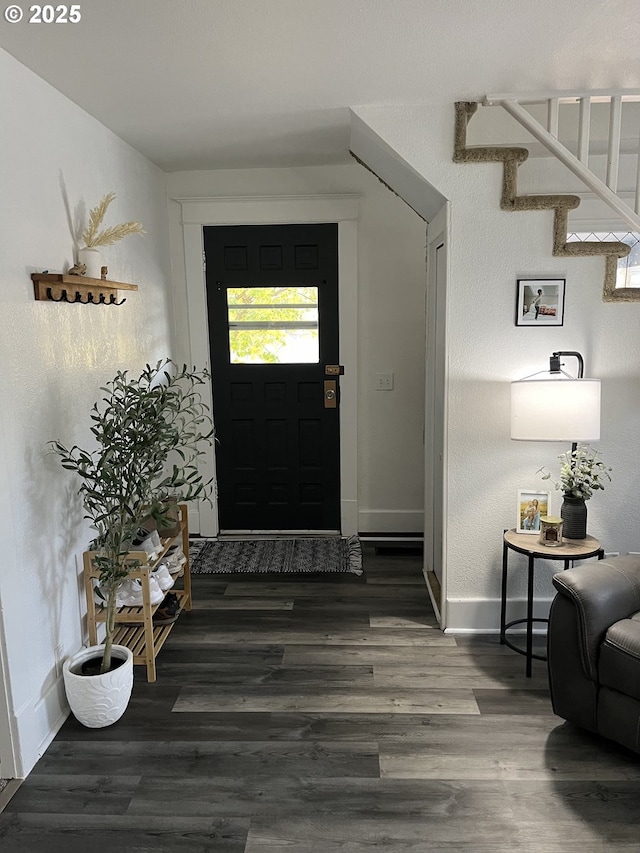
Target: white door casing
x=435, y=508
x=343, y=209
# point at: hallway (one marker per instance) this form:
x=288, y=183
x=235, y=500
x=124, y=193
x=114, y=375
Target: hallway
x=325, y=713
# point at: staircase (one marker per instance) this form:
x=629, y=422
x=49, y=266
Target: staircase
x=512, y=157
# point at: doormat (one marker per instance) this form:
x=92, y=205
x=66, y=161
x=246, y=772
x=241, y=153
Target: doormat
x=279, y=556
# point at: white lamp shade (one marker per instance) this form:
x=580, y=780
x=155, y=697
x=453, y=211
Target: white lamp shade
x=555, y=410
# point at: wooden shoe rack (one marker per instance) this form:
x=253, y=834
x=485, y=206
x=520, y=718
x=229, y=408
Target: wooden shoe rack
x=135, y=628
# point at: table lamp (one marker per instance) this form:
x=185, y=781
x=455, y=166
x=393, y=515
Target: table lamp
x=554, y=406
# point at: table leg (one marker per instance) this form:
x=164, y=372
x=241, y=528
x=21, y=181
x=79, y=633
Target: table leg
x=503, y=606
x=530, y=617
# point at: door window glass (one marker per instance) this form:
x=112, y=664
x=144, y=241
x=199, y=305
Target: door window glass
x=273, y=325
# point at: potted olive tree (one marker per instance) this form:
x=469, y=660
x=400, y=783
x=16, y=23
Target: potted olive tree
x=150, y=431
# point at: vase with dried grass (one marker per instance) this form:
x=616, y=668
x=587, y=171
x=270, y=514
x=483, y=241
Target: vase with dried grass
x=95, y=237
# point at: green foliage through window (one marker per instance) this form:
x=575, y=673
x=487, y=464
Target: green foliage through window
x=273, y=324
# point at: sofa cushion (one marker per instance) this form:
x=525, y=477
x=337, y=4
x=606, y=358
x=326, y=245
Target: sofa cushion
x=619, y=665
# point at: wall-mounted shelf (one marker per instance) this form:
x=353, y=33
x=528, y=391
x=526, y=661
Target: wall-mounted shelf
x=56, y=287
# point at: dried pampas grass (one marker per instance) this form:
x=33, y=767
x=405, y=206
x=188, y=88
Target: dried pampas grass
x=108, y=236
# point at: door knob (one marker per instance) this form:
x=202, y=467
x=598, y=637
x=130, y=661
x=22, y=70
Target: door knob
x=330, y=394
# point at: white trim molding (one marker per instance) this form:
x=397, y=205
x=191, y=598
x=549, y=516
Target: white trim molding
x=284, y=210
x=436, y=408
x=266, y=210
x=482, y=615
x=391, y=521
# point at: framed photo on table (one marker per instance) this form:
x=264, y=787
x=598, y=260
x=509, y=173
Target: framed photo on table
x=531, y=505
x=540, y=301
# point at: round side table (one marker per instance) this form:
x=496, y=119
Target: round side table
x=527, y=544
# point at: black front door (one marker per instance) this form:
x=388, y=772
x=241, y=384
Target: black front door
x=272, y=301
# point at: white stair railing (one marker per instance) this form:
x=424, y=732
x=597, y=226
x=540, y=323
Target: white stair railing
x=607, y=190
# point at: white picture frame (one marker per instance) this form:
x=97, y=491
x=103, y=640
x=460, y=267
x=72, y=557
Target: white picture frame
x=540, y=301
x=531, y=504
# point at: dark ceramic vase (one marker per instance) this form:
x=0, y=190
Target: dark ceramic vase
x=574, y=515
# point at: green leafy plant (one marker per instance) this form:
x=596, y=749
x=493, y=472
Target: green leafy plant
x=581, y=473
x=93, y=237
x=150, y=431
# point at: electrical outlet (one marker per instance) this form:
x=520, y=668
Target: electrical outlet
x=384, y=381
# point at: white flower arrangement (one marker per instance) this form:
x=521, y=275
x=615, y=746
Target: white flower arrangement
x=581, y=473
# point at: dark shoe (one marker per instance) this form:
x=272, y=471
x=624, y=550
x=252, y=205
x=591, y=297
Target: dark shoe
x=168, y=611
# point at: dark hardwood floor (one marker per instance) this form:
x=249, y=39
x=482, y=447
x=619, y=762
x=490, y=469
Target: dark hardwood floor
x=324, y=714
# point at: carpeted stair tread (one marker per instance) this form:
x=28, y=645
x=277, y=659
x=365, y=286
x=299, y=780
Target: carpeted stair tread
x=586, y=248
x=546, y=202
x=561, y=203
x=490, y=154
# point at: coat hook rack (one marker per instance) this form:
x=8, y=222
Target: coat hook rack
x=53, y=298
x=54, y=287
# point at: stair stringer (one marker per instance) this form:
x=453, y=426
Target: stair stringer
x=512, y=158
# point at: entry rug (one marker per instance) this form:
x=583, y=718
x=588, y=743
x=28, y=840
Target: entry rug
x=322, y=554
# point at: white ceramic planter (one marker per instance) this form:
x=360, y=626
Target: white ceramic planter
x=93, y=259
x=98, y=700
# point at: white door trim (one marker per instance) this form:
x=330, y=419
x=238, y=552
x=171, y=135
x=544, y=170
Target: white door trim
x=10, y=759
x=436, y=467
x=263, y=210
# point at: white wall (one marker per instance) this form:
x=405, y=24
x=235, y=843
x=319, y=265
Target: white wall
x=488, y=250
x=53, y=359
x=391, y=269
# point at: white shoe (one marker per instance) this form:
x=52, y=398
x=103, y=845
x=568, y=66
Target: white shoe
x=122, y=591
x=150, y=544
x=99, y=596
x=130, y=593
x=175, y=560
x=162, y=575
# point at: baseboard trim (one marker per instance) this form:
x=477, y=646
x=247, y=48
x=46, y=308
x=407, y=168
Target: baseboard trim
x=482, y=615
x=435, y=592
x=412, y=538
x=399, y=521
x=8, y=791
x=36, y=724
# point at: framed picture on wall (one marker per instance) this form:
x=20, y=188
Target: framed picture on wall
x=540, y=301
x=531, y=505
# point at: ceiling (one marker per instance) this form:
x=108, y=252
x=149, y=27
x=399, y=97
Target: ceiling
x=206, y=84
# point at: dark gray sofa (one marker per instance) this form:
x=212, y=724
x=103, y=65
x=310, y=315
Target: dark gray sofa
x=594, y=648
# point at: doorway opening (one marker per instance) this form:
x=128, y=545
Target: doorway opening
x=343, y=212
x=272, y=305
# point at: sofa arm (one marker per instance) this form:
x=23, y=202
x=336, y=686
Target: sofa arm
x=602, y=593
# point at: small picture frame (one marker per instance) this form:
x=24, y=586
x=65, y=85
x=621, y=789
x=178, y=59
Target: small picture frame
x=531, y=505
x=540, y=301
